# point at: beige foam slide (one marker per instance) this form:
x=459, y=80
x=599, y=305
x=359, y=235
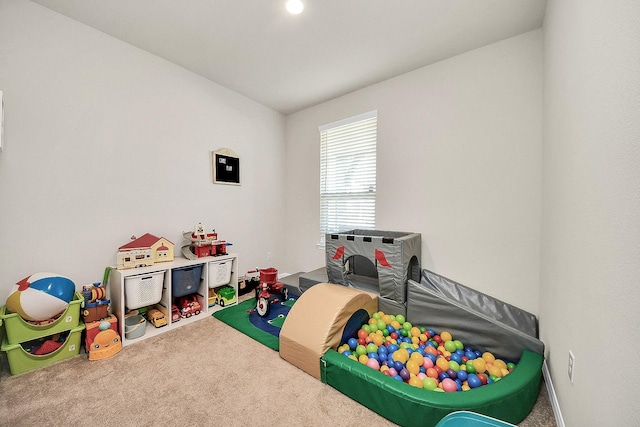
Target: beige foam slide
x=316, y=322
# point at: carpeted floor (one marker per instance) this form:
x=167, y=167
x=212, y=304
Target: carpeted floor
x=202, y=374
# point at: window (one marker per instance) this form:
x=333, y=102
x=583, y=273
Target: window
x=348, y=174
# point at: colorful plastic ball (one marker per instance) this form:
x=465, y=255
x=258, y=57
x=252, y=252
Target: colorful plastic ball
x=450, y=346
x=456, y=358
x=432, y=373
x=398, y=365
x=449, y=385
x=462, y=375
x=404, y=374
x=429, y=383
x=446, y=336
x=427, y=362
x=479, y=364
x=415, y=382
x=413, y=367
x=474, y=381
x=41, y=296
x=470, y=355
x=451, y=373
x=373, y=364
x=353, y=343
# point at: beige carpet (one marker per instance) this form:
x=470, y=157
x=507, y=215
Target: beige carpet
x=202, y=374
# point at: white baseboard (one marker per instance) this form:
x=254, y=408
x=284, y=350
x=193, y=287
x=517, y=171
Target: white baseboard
x=555, y=405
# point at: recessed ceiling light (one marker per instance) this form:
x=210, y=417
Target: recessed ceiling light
x=294, y=7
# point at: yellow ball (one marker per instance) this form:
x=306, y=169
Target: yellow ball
x=488, y=357
x=480, y=365
x=446, y=336
x=415, y=381
x=500, y=364
x=413, y=367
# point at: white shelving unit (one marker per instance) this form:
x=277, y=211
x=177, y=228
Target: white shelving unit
x=209, y=264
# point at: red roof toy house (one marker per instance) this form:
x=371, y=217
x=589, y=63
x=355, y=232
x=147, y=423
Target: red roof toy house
x=144, y=251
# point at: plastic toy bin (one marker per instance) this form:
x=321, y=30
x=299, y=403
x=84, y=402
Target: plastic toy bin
x=143, y=289
x=185, y=280
x=22, y=361
x=219, y=273
x=19, y=330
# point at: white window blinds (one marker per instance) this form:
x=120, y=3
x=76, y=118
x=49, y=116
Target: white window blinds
x=348, y=174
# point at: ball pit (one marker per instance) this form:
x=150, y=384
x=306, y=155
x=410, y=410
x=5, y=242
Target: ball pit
x=422, y=358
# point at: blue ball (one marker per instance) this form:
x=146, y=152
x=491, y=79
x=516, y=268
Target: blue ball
x=462, y=375
x=470, y=355
x=398, y=366
x=474, y=381
x=353, y=343
x=373, y=355
x=442, y=376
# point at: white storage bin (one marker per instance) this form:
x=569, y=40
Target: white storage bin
x=219, y=273
x=143, y=290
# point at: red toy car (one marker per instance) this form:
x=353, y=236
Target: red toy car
x=189, y=305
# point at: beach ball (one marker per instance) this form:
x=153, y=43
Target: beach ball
x=41, y=296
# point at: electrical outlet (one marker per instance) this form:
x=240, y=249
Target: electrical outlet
x=572, y=365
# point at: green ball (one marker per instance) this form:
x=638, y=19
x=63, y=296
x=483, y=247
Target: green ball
x=400, y=318
x=450, y=346
x=372, y=348
x=360, y=350
x=470, y=368
x=407, y=326
x=429, y=383
x=459, y=345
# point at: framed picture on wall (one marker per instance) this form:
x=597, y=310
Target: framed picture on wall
x=225, y=165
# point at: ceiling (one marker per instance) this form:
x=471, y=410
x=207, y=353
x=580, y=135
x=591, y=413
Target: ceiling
x=290, y=62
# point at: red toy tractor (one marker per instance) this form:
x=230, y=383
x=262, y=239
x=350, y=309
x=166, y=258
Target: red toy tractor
x=268, y=290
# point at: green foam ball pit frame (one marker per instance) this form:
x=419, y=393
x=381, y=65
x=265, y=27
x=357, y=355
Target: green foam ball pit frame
x=510, y=399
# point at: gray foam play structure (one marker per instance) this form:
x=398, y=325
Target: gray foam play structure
x=388, y=263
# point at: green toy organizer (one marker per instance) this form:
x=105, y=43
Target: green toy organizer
x=19, y=330
x=22, y=361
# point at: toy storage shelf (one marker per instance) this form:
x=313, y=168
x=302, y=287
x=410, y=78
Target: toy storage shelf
x=118, y=279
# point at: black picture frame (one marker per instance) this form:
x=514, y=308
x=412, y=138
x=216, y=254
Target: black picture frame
x=226, y=167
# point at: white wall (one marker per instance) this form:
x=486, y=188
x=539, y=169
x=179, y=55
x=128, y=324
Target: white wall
x=591, y=208
x=104, y=141
x=459, y=149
